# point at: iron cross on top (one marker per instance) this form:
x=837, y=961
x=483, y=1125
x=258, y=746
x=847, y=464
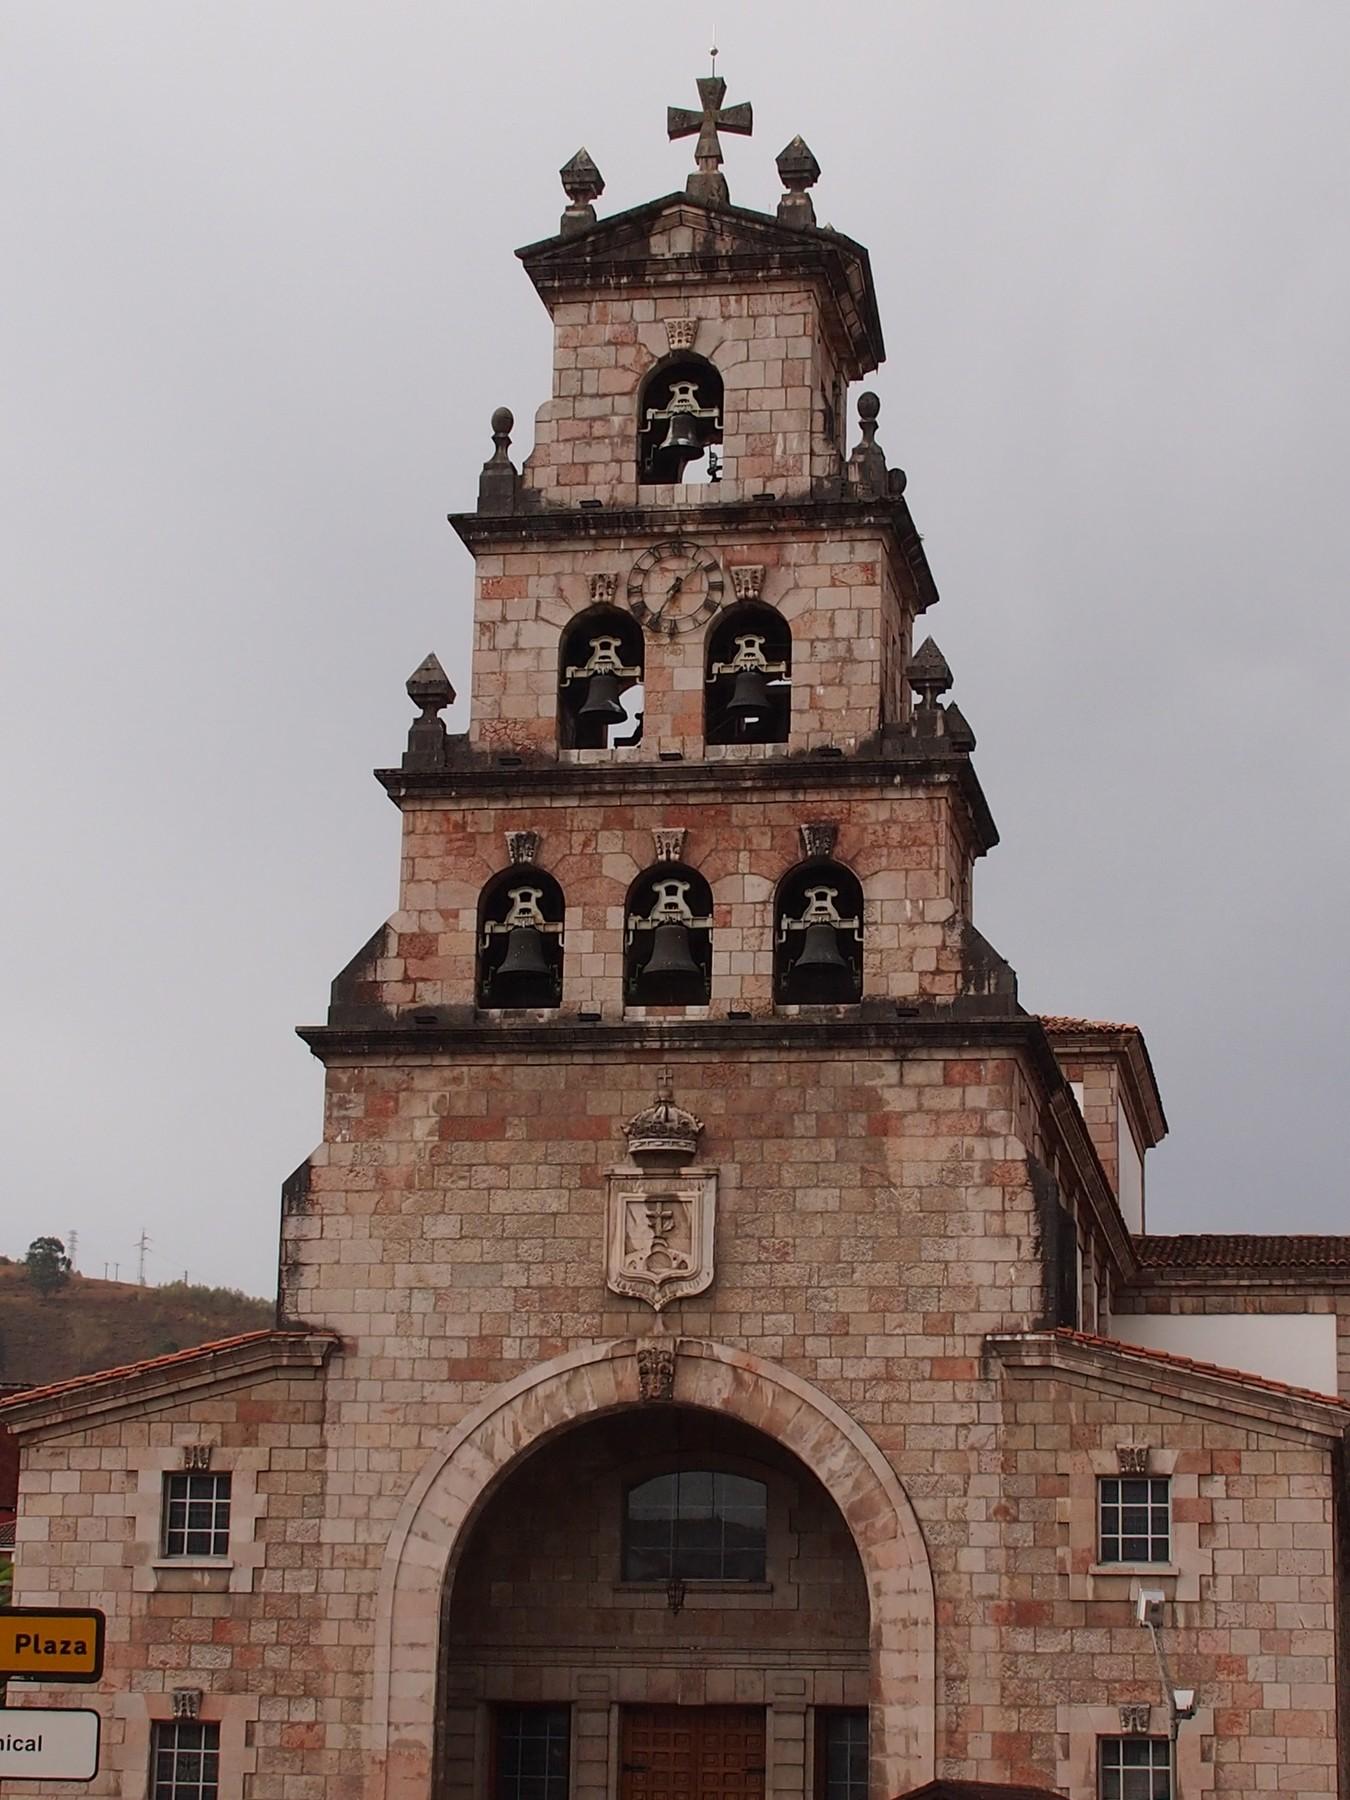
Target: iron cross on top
x=682, y=122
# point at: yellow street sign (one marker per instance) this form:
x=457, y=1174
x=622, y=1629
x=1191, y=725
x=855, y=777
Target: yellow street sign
x=51, y=1643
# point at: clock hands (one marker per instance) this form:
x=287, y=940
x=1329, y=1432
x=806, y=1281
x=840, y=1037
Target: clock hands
x=671, y=592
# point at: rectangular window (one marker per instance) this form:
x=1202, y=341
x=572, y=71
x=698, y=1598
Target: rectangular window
x=1134, y=1519
x=841, y=1754
x=1134, y=1769
x=184, y=1760
x=532, y=1753
x=196, y=1515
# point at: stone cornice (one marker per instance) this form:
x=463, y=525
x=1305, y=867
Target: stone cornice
x=483, y=776
x=1164, y=1378
x=72, y=1405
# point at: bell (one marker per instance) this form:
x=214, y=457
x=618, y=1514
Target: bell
x=749, y=702
x=820, y=974
x=602, y=700
x=670, y=972
x=524, y=976
x=682, y=435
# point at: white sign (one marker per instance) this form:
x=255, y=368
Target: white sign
x=57, y=1744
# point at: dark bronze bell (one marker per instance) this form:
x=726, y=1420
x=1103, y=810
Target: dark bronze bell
x=670, y=972
x=749, y=703
x=602, y=700
x=524, y=976
x=821, y=974
x=682, y=435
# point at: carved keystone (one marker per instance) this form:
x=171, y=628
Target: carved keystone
x=819, y=838
x=669, y=842
x=1135, y=1717
x=656, y=1371
x=680, y=333
x=747, y=580
x=187, y=1703
x=522, y=846
x=1132, y=1459
x=197, y=1456
x=602, y=588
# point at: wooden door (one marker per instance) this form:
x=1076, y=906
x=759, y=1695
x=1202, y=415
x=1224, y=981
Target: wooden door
x=692, y=1753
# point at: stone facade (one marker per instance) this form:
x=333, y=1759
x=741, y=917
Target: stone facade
x=918, y=1249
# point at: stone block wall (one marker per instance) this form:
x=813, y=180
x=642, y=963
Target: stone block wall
x=843, y=598
x=909, y=847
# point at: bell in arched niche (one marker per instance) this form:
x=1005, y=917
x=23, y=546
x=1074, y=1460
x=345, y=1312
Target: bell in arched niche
x=520, y=944
x=668, y=941
x=818, y=943
x=679, y=421
x=599, y=682
x=748, y=691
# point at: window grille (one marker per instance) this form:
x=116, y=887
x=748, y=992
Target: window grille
x=184, y=1760
x=1134, y=1519
x=532, y=1753
x=695, y=1525
x=196, y=1515
x=1134, y=1769
x=841, y=1754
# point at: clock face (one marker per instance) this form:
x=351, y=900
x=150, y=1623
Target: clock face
x=674, y=587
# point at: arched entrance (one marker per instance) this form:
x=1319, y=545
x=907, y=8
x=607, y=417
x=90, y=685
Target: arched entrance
x=766, y=1422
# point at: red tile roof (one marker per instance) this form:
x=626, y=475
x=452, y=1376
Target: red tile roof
x=1083, y=1027
x=1240, y=1250
x=26, y=1396
x=1169, y=1360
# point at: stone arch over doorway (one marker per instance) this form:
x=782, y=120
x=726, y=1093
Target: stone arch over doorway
x=458, y=1479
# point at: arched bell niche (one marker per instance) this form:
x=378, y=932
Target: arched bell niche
x=648, y=1537
x=520, y=940
x=600, y=663
x=818, y=935
x=668, y=938
x=680, y=421
x=747, y=689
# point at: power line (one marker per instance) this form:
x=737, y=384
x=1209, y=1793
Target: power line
x=142, y=1244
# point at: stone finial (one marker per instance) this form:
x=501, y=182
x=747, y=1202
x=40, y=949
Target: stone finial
x=819, y=837
x=955, y=729
x=867, y=465
x=708, y=182
x=522, y=846
x=929, y=676
x=663, y=1132
x=497, y=483
x=797, y=170
x=582, y=183
x=428, y=688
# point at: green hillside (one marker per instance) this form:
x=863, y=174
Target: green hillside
x=92, y=1324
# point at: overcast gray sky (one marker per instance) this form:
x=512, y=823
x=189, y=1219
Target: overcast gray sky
x=259, y=302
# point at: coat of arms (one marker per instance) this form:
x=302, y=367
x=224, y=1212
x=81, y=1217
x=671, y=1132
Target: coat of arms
x=661, y=1216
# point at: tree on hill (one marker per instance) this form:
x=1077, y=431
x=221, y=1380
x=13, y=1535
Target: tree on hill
x=48, y=1265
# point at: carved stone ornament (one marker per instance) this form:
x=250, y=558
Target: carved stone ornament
x=187, y=1703
x=747, y=580
x=197, y=1456
x=656, y=1371
x=669, y=843
x=819, y=838
x=603, y=586
x=680, y=333
x=522, y=846
x=1132, y=1459
x=663, y=1133
x=1135, y=1718
x=660, y=1234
